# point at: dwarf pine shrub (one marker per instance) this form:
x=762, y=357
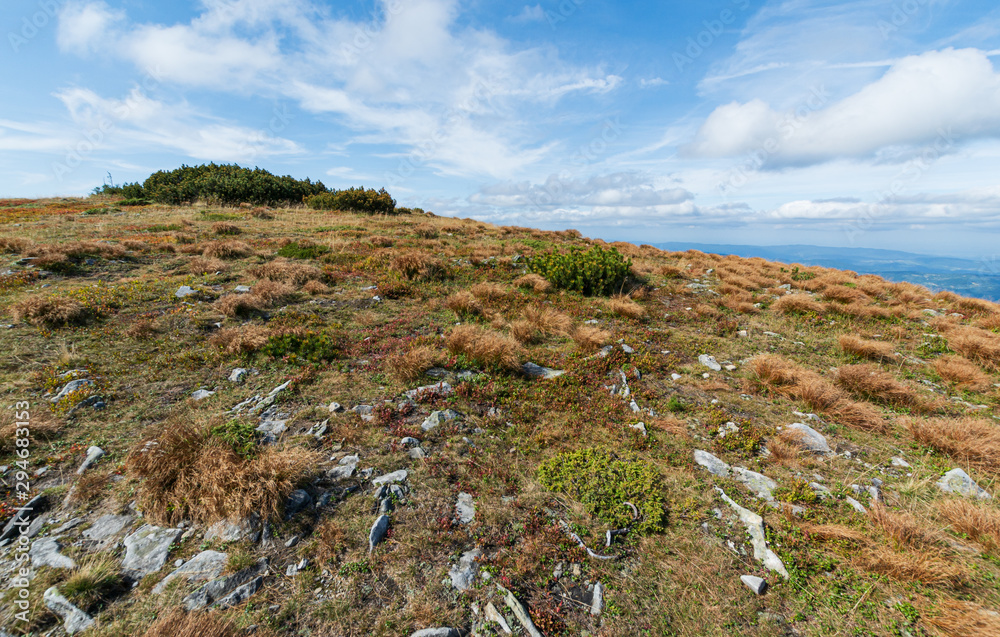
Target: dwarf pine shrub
x=367, y=201
x=594, y=272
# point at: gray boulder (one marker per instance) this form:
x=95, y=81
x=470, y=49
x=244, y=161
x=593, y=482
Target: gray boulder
x=93, y=455
x=389, y=478
x=106, y=526
x=958, y=481
x=808, y=438
x=70, y=387
x=234, y=531
x=463, y=574
x=756, y=584
x=74, y=619
x=147, y=549
x=465, y=508
x=297, y=500
x=221, y=587
x=206, y=565
x=710, y=362
x=438, y=632
x=45, y=552
x=438, y=418
x=531, y=370
x=378, y=532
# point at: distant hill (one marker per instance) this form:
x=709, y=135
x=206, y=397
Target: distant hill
x=963, y=276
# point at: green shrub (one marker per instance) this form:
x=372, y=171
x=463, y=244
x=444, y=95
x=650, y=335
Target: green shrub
x=368, y=201
x=594, y=272
x=303, y=347
x=241, y=436
x=797, y=491
x=127, y=190
x=603, y=483
x=302, y=250
x=134, y=202
x=227, y=185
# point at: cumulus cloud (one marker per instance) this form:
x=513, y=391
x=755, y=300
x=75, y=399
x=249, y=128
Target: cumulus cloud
x=530, y=13
x=83, y=26
x=951, y=94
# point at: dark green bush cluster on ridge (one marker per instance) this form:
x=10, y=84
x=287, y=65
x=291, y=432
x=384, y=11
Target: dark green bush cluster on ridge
x=594, y=272
x=368, y=201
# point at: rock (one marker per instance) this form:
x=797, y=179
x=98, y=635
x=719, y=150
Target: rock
x=74, y=619
x=743, y=334
x=292, y=541
x=66, y=526
x=202, y=394
x=899, y=462
x=627, y=349
x=641, y=428
x=297, y=500
x=531, y=370
x=756, y=482
x=23, y=516
x=756, y=584
x=465, y=508
x=206, y=565
x=808, y=438
x=493, y=615
x=346, y=468
x=597, y=602
x=958, y=481
x=675, y=376
x=378, y=531
x=185, y=291
x=241, y=289
x=463, y=574
x=709, y=362
x=395, y=476
x=147, y=549
x=409, y=442
x=45, y=552
x=106, y=526
x=519, y=612
x=93, y=455
x=715, y=466
x=755, y=529
x=441, y=389
x=856, y=505
x=70, y=387
x=437, y=632
x=240, y=594
x=417, y=453
x=249, y=528
x=438, y=418
x=237, y=375
x=219, y=588
x=367, y=412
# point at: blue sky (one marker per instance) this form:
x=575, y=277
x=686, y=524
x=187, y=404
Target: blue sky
x=865, y=124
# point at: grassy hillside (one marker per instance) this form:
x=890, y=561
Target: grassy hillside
x=143, y=306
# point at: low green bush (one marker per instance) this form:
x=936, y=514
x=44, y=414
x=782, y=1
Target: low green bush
x=305, y=347
x=603, y=483
x=594, y=272
x=241, y=435
x=302, y=250
x=368, y=201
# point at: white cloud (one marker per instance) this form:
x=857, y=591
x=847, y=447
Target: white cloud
x=83, y=26
x=530, y=13
x=933, y=98
x=652, y=82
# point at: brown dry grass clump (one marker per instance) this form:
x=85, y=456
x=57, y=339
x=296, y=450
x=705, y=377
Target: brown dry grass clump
x=49, y=311
x=871, y=383
x=533, y=282
x=411, y=365
x=589, y=339
x=977, y=345
x=178, y=623
x=976, y=307
x=622, y=305
x=486, y=347
x=14, y=245
x=241, y=340
x=224, y=227
x=315, y=287
x=382, y=242
x=968, y=440
x=961, y=619
x=233, y=305
x=287, y=271
x=833, y=533
x=962, y=373
x=271, y=292
x=903, y=528
x=414, y=265
x=464, y=303
x=797, y=304
x=185, y=472
x=231, y=249
x=865, y=348
x=489, y=292
x=979, y=522
x=540, y=322
x=135, y=245
x=778, y=374
x=845, y=295
x=202, y=265
x=924, y=567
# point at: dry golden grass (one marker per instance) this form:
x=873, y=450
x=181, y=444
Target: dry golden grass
x=49, y=311
x=411, y=365
x=622, y=305
x=226, y=228
x=876, y=350
x=924, y=567
x=203, y=265
x=547, y=320
x=426, y=231
x=142, y=329
x=903, y=528
x=976, y=307
x=786, y=448
x=977, y=345
x=315, y=287
x=970, y=441
x=534, y=282
x=961, y=619
x=231, y=249
x=15, y=245
x=797, y=304
x=871, y=383
x=43, y=424
x=979, y=522
x=271, y=292
x=962, y=373
x=414, y=265
x=833, y=533
x=135, y=245
x=489, y=293
x=589, y=339
x=178, y=623
x=186, y=473
x=239, y=304
x=241, y=340
x=778, y=374
x=382, y=242
x=90, y=486
x=464, y=303
x=990, y=322
x=287, y=271
x=486, y=347
x=845, y=295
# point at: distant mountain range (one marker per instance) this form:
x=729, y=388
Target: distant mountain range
x=979, y=279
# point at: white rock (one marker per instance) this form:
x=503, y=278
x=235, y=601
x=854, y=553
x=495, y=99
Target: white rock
x=808, y=438
x=756, y=584
x=710, y=362
x=93, y=455
x=465, y=508
x=204, y=566
x=202, y=394
x=388, y=478
x=755, y=528
x=237, y=375
x=74, y=619
x=147, y=549
x=958, y=481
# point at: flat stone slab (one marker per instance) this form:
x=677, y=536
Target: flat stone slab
x=442, y=389
x=202, y=394
x=147, y=549
x=45, y=552
x=714, y=465
x=710, y=362
x=206, y=565
x=438, y=632
x=531, y=370
x=388, y=478
x=756, y=584
x=808, y=438
x=221, y=587
x=465, y=508
x=958, y=481
x=463, y=574
x=755, y=529
x=106, y=526
x=74, y=619
x=234, y=531
x=438, y=418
